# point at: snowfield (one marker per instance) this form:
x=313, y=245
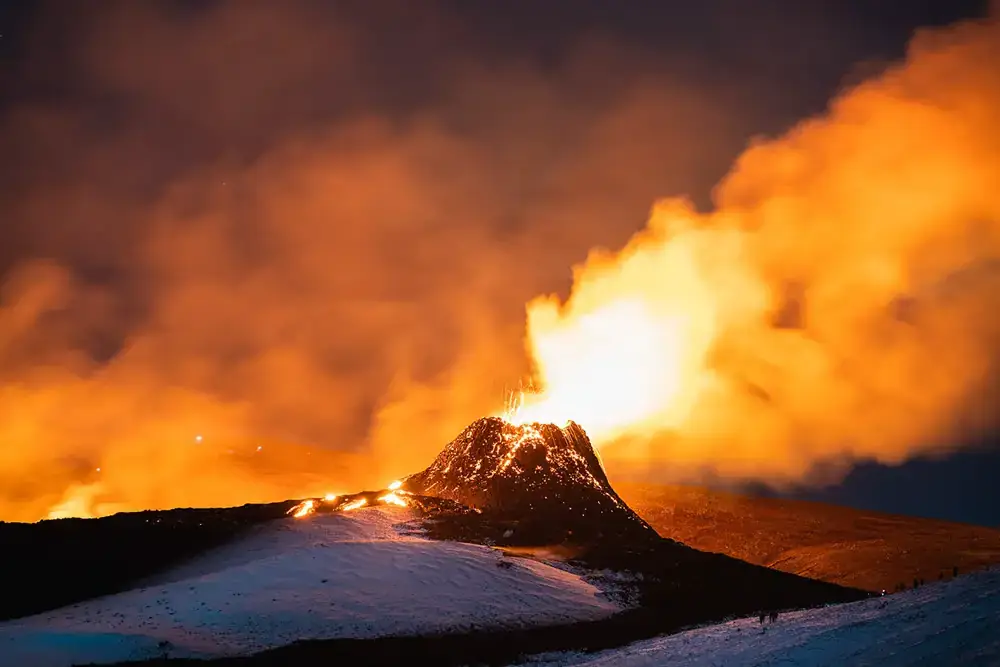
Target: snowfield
x=369, y=573
x=938, y=625
x=361, y=574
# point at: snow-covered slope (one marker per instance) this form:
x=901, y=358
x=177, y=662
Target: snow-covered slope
x=357, y=574
x=940, y=625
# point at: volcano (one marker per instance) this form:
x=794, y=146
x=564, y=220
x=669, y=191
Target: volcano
x=535, y=494
x=546, y=479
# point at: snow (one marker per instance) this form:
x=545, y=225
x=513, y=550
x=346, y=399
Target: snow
x=368, y=573
x=944, y=623
x=361, y=574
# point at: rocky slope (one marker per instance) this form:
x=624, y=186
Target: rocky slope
x=545, y=479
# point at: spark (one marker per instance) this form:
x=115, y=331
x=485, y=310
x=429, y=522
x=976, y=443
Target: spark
x=529, y=406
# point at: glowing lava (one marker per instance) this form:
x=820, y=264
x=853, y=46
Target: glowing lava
x=361, y=502
x=516, y=439
x=332, y=502
x=627, y=351
x=305, y=508
x=393, y=499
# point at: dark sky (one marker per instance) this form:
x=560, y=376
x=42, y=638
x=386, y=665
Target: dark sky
x=543, y=128
x=958, y=488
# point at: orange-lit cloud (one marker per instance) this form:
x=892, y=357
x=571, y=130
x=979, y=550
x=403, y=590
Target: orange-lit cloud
x=840, y=303
x=238, y=237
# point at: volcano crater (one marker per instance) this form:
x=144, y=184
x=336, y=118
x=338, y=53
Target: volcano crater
x=544, y=484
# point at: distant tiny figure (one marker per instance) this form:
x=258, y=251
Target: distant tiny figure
x=762, y=618
x=916, y=583
x=954, y=571
x=774, y=616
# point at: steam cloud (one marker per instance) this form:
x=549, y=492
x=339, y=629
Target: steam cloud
x=337, y=286
x=839, y=304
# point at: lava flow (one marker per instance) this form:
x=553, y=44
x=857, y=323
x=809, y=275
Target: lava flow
x=392, y=495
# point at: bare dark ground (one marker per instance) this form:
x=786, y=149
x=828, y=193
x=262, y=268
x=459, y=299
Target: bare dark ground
x=55, y=563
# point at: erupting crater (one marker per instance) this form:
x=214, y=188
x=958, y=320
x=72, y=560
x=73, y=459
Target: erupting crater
x=548, y=479
x=507, y=483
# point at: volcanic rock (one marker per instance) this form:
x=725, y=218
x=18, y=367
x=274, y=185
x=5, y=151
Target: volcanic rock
x=546, y=481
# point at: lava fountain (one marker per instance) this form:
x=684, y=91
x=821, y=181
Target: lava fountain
x=627, y=353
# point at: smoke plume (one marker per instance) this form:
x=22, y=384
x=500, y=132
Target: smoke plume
x=250, y=260
x=838, y=304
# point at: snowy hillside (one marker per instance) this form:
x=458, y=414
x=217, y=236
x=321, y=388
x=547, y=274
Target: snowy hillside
x=940, y=624
x=357, y=574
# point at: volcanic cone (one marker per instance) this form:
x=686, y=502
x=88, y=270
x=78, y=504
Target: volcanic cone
x=547, y=478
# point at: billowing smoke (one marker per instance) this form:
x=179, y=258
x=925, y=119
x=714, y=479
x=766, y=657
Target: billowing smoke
x=250, y=260
x=279, y=229
x=839, y=304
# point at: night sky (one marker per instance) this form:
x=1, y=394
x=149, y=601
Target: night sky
x=110, y=109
